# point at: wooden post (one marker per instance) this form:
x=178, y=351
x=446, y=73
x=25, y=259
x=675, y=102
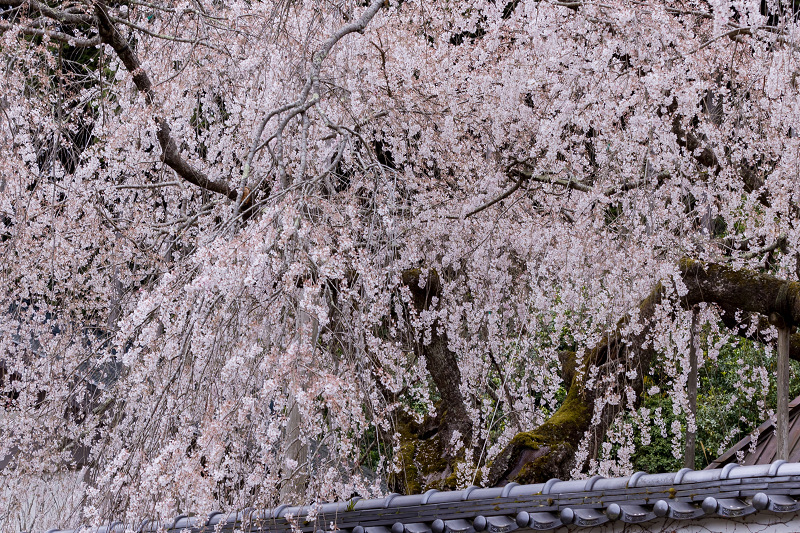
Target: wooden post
x=691, y=436
x=783, y=394
x=782, y=407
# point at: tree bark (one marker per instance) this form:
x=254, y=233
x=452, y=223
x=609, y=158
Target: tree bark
x=782, y=408
x=427, y=453
x=550, y=450
x=439, y=359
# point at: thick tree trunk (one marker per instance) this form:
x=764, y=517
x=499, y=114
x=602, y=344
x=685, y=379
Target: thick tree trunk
x=428, y=456
x=549, y=450
x=439, y=359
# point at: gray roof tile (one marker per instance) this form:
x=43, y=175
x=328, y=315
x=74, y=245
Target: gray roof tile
x=730, y=492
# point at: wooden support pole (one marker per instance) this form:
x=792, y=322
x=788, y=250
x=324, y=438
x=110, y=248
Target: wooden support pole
x=782, y=407
x=783, y=394
x=691, y=434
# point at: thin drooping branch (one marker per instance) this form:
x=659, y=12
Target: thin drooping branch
x=309, y=96
x=170, y=154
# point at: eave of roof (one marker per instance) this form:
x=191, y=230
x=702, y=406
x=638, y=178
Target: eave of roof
x=766, y=446
x=732, y=491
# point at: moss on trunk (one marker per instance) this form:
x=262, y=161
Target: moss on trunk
x=425, y=463
x=549, y=450
x=544, y=453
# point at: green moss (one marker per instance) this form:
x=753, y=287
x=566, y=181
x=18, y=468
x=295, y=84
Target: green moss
x=422, y=460
x=686, y=264
x=565, y=426
x=527, y=439
x=429, y=456
x=409, y=470
x=653, y=298
x=451, y=481
x=560, y=434
x=408, y=477
x=411, y=275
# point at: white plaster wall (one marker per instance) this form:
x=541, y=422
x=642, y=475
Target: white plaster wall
x=39, y=504
x=760, y=522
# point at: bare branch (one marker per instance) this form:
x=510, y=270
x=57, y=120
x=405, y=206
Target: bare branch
x=54, y=35
x=780, y=243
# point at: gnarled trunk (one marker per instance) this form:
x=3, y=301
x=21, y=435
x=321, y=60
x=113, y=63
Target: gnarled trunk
x=428, y=455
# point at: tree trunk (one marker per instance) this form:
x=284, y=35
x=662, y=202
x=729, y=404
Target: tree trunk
x=428, y=454
x=296, y=454
x=296, y=451
x=550, y=450
x=782, y=408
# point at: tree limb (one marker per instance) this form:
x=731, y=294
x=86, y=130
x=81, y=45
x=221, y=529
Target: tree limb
x=780, y=243
x=567, y=184
x=170, y=154
x=43, y=9
x=578, y=186
x=77, y=42
x=521, y=177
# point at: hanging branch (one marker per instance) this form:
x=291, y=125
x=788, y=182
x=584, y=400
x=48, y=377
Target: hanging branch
x=309, y=96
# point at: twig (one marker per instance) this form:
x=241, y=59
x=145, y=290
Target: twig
x=164, y=36
x=521, y=177
x=151, y=185
x=780, y=243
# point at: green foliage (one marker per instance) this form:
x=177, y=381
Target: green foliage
x=729, y=394
x=657, y=455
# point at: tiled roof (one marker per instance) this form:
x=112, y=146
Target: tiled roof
x=730, y=492
x=764, y=451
